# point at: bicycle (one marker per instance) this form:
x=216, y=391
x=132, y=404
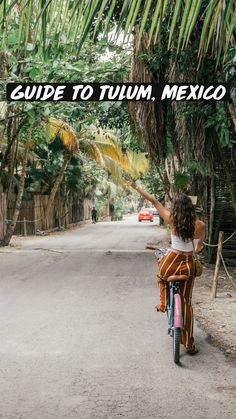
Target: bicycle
x=174, y=307
x=174, y=313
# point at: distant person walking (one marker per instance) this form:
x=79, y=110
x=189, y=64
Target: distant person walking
x=94, y=215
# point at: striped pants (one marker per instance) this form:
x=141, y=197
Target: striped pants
x=172, y=264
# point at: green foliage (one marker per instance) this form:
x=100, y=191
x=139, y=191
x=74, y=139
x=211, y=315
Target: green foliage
x=153, y=182
x=220, y=121
x=102, y=61
x=81, y=177
x=63, y=23
x=119, y=207
x=44, y=43
x=181, y=180
x=91, y=176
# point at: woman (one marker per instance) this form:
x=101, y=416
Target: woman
x=186, y=231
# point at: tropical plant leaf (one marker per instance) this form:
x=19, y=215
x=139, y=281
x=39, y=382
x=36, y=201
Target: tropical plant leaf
x=174, y=20
x=93, y=9
x=217, y=18
x=59, y=128
x=192, y=18
x=231, y=29
x=154, y=21
x=44, y=7
x=206, y=24
x=55, y=16
x=109, y=15
x=93, y=151
x=105, y=148
x=184, y=21
x=144, y=19
x=99, y=17
x=164, y=4
x=134, y=16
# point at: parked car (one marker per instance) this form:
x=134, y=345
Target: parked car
x=145, y=214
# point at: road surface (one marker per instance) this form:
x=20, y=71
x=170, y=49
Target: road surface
x=80, y=337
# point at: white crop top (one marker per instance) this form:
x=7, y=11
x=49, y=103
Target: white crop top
x=179, y=244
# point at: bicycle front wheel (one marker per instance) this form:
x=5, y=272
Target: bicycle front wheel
x=176, y=343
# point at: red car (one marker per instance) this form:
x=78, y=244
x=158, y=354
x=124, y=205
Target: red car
x=145, y=214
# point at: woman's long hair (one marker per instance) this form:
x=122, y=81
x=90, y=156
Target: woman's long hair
x=183, y=216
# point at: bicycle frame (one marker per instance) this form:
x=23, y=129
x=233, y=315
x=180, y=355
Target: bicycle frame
x=174, y=309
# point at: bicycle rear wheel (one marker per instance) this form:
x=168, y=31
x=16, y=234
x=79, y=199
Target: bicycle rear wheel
x=176, y=344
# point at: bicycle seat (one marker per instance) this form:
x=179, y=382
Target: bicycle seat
x=174, y=278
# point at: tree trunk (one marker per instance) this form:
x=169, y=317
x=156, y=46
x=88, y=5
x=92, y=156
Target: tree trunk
x=6, y=240
x=57, y=183
x=12, y=159
x=212, y=209
x=11, y=142
x=232, y=113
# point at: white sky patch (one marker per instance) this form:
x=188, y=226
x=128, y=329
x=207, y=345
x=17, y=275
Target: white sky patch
x=123, y=40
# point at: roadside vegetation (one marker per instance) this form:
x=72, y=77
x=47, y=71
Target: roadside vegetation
x=82, y=148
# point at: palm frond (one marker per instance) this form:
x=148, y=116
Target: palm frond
x=59, y=128
x=135, y=163
x=174, y=20
x=217, y=19
x=107, y=143
x=184, y=20
x=92, y=150
x=113, y=168
x=105, y=148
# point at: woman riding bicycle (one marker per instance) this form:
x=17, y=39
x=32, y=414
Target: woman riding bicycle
x=186, y=231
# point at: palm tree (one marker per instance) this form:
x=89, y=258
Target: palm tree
x=103, y=147
x=59, y=128
x=10, y=230
x=215, y=18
